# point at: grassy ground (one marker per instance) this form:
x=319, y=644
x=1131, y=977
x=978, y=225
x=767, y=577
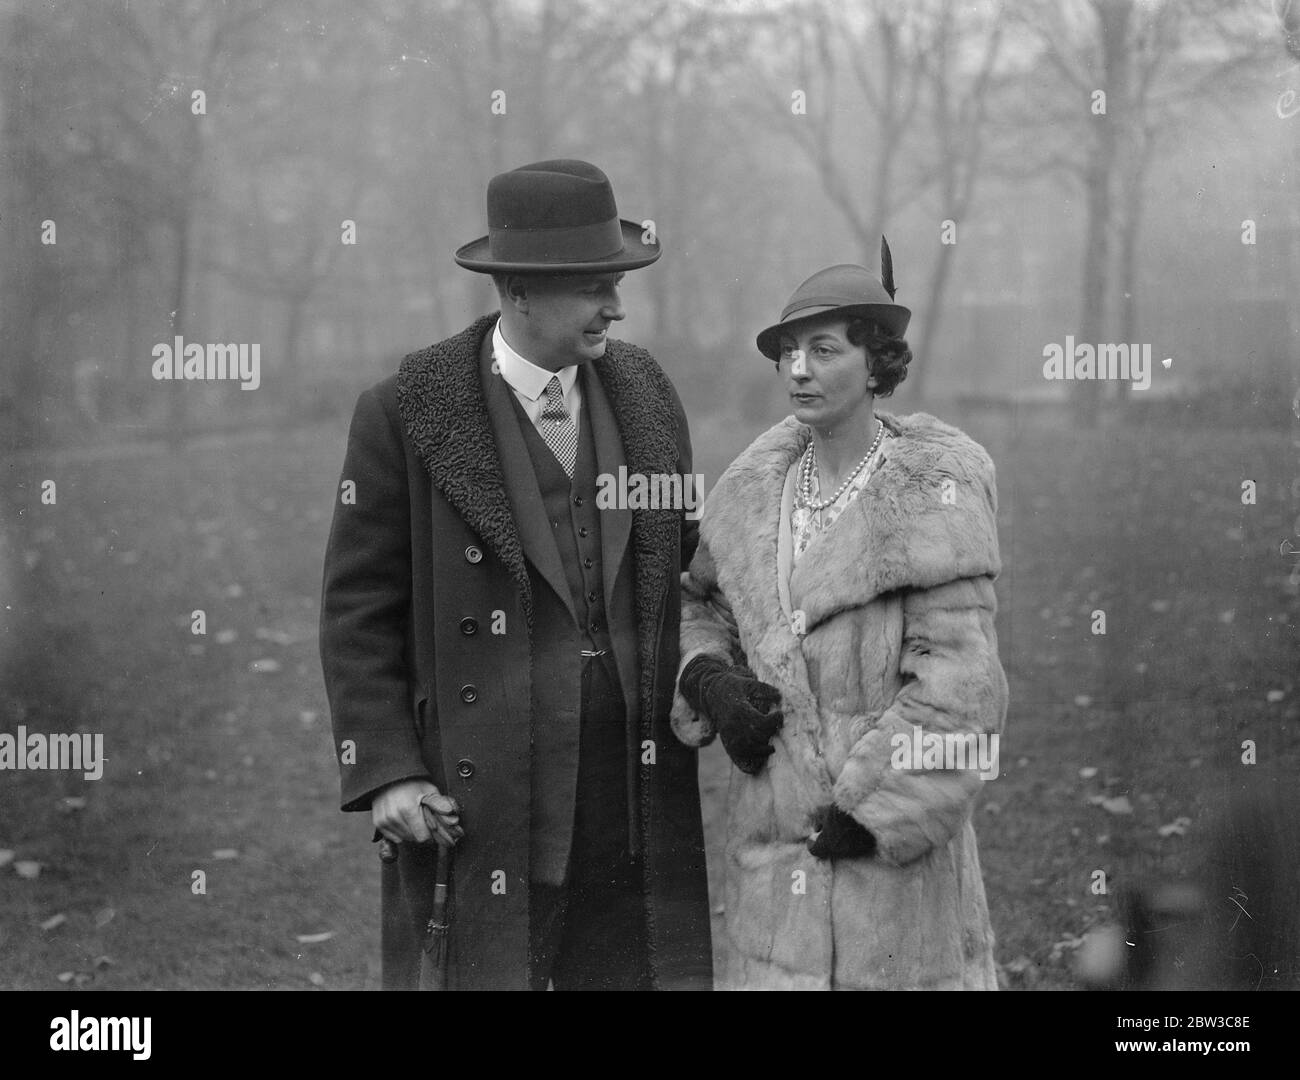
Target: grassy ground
x=219, y=758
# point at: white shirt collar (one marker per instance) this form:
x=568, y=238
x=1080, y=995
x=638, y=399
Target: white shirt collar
x=523, y=375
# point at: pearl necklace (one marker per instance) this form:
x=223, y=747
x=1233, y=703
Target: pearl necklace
x=810, y=463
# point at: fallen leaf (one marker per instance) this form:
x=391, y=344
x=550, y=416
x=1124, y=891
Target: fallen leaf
x=28, y=868
x=1159, y=606
x=1083, y=701
x=1177, y=827
x=104, y=916
x=6, y=857
x=233, y=591
x=1117, y=805
x=266, y=666
x=307, y=717
x=316, y=979
x=65, y=976
x=71, y=803
x=1276, y=696
x=1226, y=617
x=1087, y=772
x=1069, y=943
x=226, y=853
x=278, y=637
x=315, y=939
x=54, y=921
x=103, y=961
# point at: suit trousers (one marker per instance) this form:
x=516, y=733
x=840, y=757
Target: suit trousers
x=590, y=933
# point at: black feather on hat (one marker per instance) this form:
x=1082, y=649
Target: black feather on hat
x=848, y=290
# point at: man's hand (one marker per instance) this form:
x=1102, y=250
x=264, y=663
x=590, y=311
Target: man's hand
x=399, y=813
x=746, y=712
x=838, y=835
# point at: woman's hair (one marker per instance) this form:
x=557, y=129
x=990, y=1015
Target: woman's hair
x=887, y=354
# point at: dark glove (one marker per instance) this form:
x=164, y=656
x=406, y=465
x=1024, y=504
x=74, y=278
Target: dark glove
x=746, y=712
x=839, y=836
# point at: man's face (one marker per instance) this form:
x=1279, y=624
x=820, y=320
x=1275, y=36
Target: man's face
x=568, y=316
x=826, y=375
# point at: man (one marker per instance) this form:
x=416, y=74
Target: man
x=497, y=646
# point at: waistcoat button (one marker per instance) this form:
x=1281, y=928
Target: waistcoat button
x=468, y=694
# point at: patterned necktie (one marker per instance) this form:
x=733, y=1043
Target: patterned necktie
x=557, y=427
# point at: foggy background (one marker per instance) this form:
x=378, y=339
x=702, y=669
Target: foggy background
x=188, y=168
x=227, y=226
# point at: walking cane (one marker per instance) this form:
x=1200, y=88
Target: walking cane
x=433, y=965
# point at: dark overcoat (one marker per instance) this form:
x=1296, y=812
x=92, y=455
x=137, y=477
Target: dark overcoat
x=427, y=631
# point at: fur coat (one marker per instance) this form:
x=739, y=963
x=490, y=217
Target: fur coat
x=896, y=606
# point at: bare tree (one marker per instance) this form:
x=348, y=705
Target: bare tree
x=960, y=91
x=1119, y=78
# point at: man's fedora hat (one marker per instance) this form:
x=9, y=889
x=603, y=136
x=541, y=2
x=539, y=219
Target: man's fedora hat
x=556, y=217
x=847, y=290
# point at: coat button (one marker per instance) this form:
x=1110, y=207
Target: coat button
x=595, y=628
x=588, y=563
x=464, y=768
x=468, y=626
x=468, y=694
x=473, y=554
x=591, y=597
x=577, y=500
x=582, y=531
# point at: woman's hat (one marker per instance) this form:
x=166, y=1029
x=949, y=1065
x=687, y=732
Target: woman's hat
x=556, y=217
x=848, y=290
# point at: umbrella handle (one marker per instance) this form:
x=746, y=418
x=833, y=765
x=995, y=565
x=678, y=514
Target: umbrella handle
x=388, y=849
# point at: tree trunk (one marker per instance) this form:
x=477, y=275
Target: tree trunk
x=296, y=304
x=922, y=360
x=177, y=410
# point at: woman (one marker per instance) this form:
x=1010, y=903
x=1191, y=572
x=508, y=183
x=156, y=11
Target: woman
x=838, y=614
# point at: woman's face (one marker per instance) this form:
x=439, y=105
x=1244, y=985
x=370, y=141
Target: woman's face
x=825, y=375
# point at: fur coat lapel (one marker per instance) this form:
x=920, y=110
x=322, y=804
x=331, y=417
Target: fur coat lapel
x=446, y=419
x=908, y=528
